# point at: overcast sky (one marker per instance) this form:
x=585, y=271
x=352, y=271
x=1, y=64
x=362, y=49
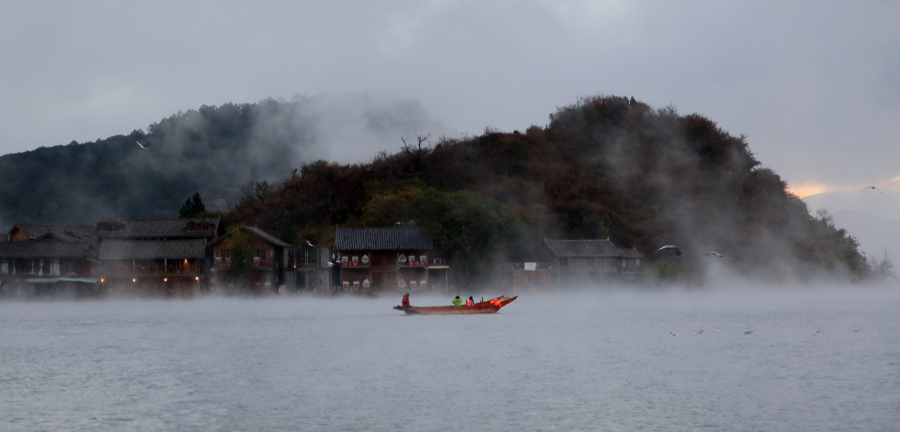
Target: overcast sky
x=815, y=85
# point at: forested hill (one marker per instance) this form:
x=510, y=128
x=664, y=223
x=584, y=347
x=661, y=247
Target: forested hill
x=213, y=150
x=604, y=167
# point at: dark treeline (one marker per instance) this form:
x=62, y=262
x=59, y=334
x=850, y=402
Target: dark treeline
x=213, y=150
x=604, y=167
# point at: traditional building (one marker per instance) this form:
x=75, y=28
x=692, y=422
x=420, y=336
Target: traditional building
x=387, y=259
x=523, y=276
x=585, y=262
x=65, y=233
x=155, y=256
x=45, y=259
x=273, y=261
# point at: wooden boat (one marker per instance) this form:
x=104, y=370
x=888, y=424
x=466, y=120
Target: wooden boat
x=488, y=306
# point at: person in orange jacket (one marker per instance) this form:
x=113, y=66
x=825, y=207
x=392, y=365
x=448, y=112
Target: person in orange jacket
x=470, y=301
x=405, y=301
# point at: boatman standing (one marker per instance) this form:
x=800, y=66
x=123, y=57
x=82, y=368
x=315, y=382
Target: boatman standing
x=457, y=301
x=470, y=301
x=405, y=301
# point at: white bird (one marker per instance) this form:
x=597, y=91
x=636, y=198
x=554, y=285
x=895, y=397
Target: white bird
x=673, y=247
x=310, y=244
x=141, y=145
x=714, y=253
x=873, y=187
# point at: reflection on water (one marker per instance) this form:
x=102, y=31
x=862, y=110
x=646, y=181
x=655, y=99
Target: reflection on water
x=815, y=360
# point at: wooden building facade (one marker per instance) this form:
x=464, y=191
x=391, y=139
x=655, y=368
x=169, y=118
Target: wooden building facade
x=157, y=257
x=47, y=259
x=590, y=262
x=272, y=262
x=387, y=259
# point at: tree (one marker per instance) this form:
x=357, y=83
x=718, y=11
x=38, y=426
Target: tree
x=192, y=208
x=241, y=258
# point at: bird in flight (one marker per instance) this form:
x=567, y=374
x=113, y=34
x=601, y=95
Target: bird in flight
x=674, y=249
x=714, y=253
x=143, y=147
x=310, y=244
x=873, y=187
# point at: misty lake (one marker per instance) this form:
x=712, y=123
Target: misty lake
x=815, y=359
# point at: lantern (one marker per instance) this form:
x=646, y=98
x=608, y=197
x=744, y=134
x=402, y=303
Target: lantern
x=423, y=259
x=412, y=284
x=402, y=259
x=346, y=286
x=365, y=259
x=366, y=284
x=412, y=260
x=355, y=260
x=421, y=284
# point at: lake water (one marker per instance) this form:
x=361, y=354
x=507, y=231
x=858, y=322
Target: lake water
x=600, y=361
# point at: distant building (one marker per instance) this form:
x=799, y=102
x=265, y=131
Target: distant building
x=271, y=258
x=46, y=259
x=155, y=256
x=388, y=259
x=65, y=233
x=523, y=276
x=586, y=262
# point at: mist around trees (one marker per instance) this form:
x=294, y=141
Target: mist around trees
x=605, y=167
x=211, y=150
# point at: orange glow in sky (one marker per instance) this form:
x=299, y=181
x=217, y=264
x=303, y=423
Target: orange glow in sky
x=804, y=190
x=810, y=188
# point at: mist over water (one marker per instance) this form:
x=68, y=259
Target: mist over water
x=602, y=360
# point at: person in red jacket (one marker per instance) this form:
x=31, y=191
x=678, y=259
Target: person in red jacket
x=405, y=301
x=470, y=301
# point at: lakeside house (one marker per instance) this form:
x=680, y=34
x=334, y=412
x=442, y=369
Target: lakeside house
x=155, y=256
x=179, y=257
x=398, y=258
x=270, y=257
x=45, y=259
x=591, y=262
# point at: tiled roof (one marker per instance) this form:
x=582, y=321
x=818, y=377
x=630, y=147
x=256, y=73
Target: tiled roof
x=383, y=238
x=61, y=232
x=253, y=231
x=631, y=253
x=44, y=250
x=59, y=236
x=152, y=249
x=156, y=228
x=583, y=248
x=265, y=236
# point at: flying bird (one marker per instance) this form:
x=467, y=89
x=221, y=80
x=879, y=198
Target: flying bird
x=674, y=248
x=714, y=253
x=143, y=147
x=873, y=187
x=310, y=244
x=747, y=332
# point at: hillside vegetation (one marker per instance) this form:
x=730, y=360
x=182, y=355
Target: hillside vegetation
x=603, y=167
x=213, y=150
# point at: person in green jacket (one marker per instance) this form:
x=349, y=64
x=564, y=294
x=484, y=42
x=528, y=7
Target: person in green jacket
x=457, y=301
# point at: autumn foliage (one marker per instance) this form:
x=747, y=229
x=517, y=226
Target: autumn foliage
x=603, y=167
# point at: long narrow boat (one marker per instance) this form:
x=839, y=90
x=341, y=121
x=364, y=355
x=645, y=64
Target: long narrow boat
x=489, y=306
